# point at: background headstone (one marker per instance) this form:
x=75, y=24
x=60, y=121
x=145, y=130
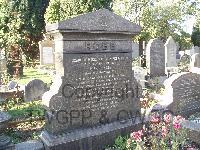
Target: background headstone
x=194, y=50
x=155, y=57
x=170, y=52
x=46, y=52
x=195, y=60
x=94, y=59
x=135, y=48
x=185, y=94
x=34, y=90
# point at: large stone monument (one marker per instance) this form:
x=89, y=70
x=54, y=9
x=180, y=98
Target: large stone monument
x=95, y=96
x=170, y=52
x=155, y=57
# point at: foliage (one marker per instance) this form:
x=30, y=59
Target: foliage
x=184, y=63
x=158, y=134
x=63, y=9
x=136, y=62
x=26, y=110
x=157, y=18
x=21, y=27
x=25, y=130
x=196, y=36
x=120, y=144
x=32, y=73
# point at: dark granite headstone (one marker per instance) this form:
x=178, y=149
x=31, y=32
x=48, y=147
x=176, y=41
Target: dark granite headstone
x=155, y=57
x=186, y=95
x=96, y=90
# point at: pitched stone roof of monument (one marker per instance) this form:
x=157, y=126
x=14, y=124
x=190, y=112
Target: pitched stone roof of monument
x=99, y=21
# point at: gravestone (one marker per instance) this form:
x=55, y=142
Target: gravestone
x=96, y=88
x=34, y=90
x=155, y=57
x=46, y=52
x=194, y=50
x=170, y=52
x=135, y=48
x=185, y=95
x=195, y=60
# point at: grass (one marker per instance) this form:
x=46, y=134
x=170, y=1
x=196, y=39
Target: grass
x=32, y=73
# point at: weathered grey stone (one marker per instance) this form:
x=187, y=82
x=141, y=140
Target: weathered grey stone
x=96, y=87
x=195, y=60
x=101, y=21
x=185, y=96
x=34, y=90
x=155, y=57
x=170, y=52
x=95, y=138
x=30, y=145
x=135, y=48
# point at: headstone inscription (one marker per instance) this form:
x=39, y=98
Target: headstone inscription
x=155, y=57
x=34, y=90
x=46, y=52
x=185, y=94
x=93, y=55
x=170, y=52
x=195, y=60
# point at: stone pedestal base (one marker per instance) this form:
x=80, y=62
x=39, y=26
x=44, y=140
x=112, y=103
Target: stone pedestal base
x=95, y=138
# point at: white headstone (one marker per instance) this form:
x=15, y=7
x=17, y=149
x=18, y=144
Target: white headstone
x=46, y=52
x=170, y=52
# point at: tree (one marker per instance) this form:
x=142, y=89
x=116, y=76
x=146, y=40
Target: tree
x=196, y=31
x=21, y=28
x=157, y=18
x=63, y=9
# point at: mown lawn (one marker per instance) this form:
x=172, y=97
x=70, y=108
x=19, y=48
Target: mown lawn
x=32, y=73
